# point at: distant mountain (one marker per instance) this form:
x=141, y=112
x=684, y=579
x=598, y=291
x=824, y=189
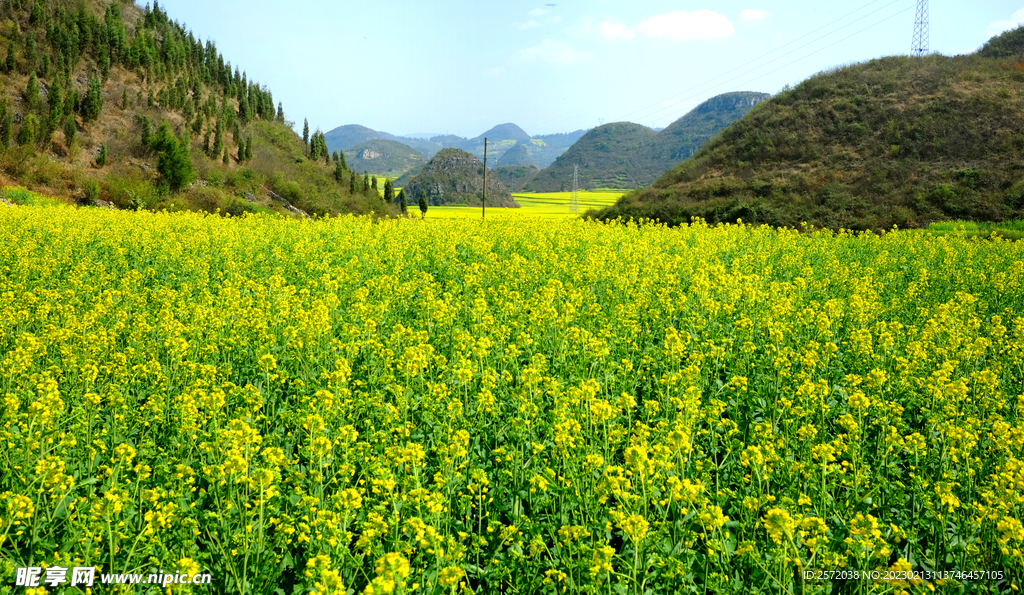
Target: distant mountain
x=454, y=176
x=383, y=157
x=514, y=177
x=517, y=155
x=626, y=155
x=508, y=131
x=343, y=137
x=606, y=157
x=542, y=149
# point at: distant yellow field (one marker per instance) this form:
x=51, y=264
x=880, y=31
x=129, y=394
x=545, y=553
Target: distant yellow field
x=546, y=205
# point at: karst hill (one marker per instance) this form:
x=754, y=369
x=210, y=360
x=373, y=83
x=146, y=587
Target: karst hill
x=894, y=141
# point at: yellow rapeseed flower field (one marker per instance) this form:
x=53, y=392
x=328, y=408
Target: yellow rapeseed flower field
x=356, y=406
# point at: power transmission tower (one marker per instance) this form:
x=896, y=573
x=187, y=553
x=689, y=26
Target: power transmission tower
x=919, y=46
x=574, y=202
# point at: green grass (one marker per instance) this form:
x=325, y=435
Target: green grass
x=1012, y=229
x=23, y=196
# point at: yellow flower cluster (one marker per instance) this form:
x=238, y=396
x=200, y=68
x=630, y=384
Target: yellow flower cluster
x=375, y=406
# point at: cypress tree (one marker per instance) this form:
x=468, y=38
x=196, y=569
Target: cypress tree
x=423, y=203
x=124, y=99
x=56, y=100
x=32, y=91
x=69, y=130
x=93, y=104
x=305, y=134
x=11, y=61
x=339, y=172
x=402, y=202
x=389, y=192
x=27, y=132
x=5, y=130
x=174, y=162
x=146, y=133
x=101, y=159
x=218, y=140
x=341, y=156
x=366, y=182
x=226, y=160
x=248, y=149
x=373, y=183
x=280, y=112
x=352, y=183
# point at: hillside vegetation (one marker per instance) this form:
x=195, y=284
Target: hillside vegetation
x=384, y=157
x=621, y=156
x=116, y=103
x=894, y=141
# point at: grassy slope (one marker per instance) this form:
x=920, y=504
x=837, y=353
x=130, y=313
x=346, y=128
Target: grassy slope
x=129, y=179
x=605, y=156
x=897, y=140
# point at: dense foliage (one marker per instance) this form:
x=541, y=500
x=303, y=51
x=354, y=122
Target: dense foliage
x=407, y=405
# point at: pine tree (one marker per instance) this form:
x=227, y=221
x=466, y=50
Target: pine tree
x=280, y=112
x=305, y=135
x=402, y=202
x=341, y=156
x=389, y=192
x=101, y=159
x=423, y=203
x=248, y=149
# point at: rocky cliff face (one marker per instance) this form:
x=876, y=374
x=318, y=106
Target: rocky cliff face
x=454, y=176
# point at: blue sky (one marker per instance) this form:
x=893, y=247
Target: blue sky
x=463, y=66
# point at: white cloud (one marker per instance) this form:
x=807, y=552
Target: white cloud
x=555, y=52
x=538, y=21
x=615, y=30
x=754, y=15
x=999, y=26
x=682, y=26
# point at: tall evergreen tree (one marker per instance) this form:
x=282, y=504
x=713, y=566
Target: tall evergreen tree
x=101, y=159
x=373, y=183
x=339, y=172
x=366, y=182
x=32, y=92
x=5, y=130
x=280, y=112
x=93, y=104
x=352, y=183
x=341, y=156
x=11, y=61
x=389, y=192
x=423, y=203
x=56, y=100
x=174, y=162
x=27, y=132
x=69, y=130
x=305, y=135
x=402, y=202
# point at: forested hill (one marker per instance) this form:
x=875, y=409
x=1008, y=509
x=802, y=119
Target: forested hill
x=112, y=102
x=894, y=141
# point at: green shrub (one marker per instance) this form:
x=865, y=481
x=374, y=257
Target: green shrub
x=92, y=192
